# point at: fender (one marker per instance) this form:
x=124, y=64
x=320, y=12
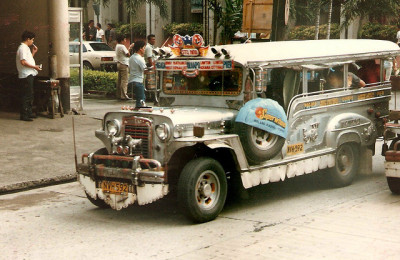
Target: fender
x=232, y=143
x=265, y=114
x=350, y=127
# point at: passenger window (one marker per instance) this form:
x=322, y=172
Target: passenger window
x=369, y=71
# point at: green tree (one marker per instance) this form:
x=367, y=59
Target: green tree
x=228, y=16
x=374, y=9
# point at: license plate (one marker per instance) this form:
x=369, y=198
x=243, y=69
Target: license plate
x=114, y=187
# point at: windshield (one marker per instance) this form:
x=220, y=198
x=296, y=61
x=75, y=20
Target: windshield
x=100, y=47
x=211, y=83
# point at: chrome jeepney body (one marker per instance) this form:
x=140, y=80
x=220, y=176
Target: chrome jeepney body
x=202, y=122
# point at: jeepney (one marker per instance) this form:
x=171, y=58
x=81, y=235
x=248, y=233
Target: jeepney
x=256, y=113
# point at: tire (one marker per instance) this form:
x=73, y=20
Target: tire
x=87, y=65
x=97, y=202
x=391, y=146
x=101, y=151
x=202, y=189
x=394, y=184
x=258, y=145
x=346, y=164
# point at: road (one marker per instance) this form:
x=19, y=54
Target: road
x=301, y=218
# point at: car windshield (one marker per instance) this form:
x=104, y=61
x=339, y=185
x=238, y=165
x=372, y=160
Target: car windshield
x=100, y=46
x=212, y=83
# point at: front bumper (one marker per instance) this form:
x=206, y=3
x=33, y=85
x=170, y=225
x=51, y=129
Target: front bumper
x=145, y=179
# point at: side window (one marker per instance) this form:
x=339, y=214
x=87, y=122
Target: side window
x=316, y=80
x=84, y=48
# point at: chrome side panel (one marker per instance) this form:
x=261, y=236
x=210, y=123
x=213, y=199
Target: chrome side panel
x=330, y=119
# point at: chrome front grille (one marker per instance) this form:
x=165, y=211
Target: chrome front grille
x=140, y=128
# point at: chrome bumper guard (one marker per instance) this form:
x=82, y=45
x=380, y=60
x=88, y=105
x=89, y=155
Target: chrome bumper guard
x=142, y=170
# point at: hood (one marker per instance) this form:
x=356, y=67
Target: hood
x=192, y=115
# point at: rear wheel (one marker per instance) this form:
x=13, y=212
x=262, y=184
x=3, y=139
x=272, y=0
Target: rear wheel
x=346, y=163
x=87, y=65
x=394, y=184
x=202, y=189
x=259, y=145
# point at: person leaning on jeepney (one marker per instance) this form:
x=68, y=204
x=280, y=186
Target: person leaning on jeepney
x=335, y=79
x=149, y=55
x=137, y=65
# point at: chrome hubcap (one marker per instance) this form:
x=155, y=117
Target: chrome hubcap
x=207, y=190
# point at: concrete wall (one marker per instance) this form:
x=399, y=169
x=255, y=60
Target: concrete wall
x=15, y=17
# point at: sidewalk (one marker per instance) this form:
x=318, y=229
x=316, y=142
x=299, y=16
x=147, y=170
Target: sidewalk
x=41, y=152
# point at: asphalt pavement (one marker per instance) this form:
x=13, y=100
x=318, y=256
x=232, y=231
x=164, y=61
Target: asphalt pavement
x=41, y=152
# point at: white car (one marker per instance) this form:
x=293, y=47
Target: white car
x=96, y=55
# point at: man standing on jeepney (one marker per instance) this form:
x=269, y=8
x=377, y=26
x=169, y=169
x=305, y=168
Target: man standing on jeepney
x=137, y=65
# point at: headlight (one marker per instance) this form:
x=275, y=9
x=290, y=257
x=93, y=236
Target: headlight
x=163, y=131
x=113, y=127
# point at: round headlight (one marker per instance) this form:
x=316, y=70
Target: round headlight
x=113, y=127
x=163, y=131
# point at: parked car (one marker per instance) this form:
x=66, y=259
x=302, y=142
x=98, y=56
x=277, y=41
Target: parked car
x=96, y=56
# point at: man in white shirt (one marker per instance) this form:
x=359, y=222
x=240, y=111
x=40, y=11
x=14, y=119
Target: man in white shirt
x=137, y=65
x=27, y=70
x=99, y=33
x=149, y=56
x=122, y=57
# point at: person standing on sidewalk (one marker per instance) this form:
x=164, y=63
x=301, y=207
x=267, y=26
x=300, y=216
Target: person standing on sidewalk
x=99, y=33
x=112, y=38
x=27, y=70
x=122, y=56
x=137, y=65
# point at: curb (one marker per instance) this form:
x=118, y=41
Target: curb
x=29, y=185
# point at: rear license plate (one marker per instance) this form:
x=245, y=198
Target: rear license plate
x=114, y=187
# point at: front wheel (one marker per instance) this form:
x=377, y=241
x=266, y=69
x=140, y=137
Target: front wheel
x=394, y=184
x=97, y=202
x=202, y=189
x=346, y=163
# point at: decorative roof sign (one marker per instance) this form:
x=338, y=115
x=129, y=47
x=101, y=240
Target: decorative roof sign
x=188, y=46
x=191, y=47
x=191, y=65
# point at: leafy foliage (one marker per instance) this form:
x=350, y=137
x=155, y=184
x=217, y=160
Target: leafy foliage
x=96, y=80
x=183, y=29
x=378, y=31
x=376, y=9
x=138, y=30
x=229, y=17
x=134, y=5
x=308, y=32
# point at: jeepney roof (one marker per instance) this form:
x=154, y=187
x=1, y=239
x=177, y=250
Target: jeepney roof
x=284, y=53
